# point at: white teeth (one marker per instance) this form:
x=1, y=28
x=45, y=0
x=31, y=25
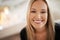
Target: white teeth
x=37, y=21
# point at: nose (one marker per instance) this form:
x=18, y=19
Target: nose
x=38, y=15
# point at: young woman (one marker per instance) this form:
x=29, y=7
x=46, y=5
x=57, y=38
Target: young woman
x=39, y=22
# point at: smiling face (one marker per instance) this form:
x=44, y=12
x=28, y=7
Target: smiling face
x=38, y=14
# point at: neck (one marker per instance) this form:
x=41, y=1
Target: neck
x=41, y=30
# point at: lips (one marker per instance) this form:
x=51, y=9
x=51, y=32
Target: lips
x=38, y=21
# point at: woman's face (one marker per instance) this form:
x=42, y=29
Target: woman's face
x=38, y=14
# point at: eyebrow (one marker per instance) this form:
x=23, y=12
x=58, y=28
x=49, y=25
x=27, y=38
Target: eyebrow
x=33, y=9
x=41, y=9
x=44, y=10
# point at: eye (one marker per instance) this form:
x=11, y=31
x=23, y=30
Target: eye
x=43, y=12
x=33, y=11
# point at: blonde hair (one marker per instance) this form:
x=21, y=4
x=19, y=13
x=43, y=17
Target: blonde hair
x=50, y=24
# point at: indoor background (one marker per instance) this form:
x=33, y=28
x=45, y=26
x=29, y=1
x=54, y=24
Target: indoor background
x=13, y=16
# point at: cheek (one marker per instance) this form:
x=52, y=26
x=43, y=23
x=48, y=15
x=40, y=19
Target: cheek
x=45, y=17
x=31, y=16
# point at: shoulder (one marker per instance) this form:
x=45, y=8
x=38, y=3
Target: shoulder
x=23, y=31
x=57, y=31
x=57, y=27
x=23, y=34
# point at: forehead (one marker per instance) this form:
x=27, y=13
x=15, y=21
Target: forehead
x=39, y=5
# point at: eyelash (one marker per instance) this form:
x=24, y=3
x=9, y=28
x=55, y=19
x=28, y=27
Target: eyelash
x=43, y=12
x=33, y=11
x=40, y=12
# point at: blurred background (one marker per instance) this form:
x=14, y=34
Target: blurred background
x=13, y=16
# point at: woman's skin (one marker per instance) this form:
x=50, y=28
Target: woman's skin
x=38, y=19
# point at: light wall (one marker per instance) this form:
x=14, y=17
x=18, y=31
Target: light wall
x=20, y=14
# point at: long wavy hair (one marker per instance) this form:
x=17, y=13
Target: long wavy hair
x=50, y=24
